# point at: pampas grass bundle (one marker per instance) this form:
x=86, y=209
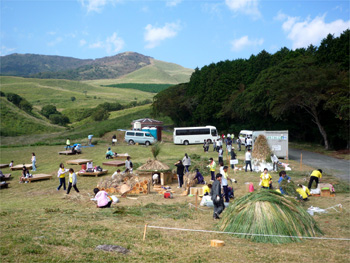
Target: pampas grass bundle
x=268, y=213
x=261, y=150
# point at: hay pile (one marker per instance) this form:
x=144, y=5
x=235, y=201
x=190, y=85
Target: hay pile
x=189, y=182
x=261, y=151
x=269, y=213
x=153, y=165
x=125, y=184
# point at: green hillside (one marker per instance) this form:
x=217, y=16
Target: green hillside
x=15, y=122
x=41, y=92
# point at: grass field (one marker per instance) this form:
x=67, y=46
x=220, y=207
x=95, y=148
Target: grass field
x=41, y=224
x=41, y=92
x=154, y=88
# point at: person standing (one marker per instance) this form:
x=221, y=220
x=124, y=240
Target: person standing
x=274, y=161
x=33, y=162
x=248, y=160
x=249, y=143
x=316, y=175
x=72, y=181
x=216, y=197
x=225, y=184
x=128, y=165
x=212, y=167
x=233, y=157
x=266, y=180
x=67, y=144
x=214, y=145
x=180, y=173
x=186, y=161
x=114, y=140
x=229, y=144
x=239, y=143
x=205, y=145
x=90, y=139
x=61, y=174
x=221, y=154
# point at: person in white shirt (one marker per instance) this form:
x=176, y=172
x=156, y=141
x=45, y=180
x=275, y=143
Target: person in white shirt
x=186, y=161
x=128, y=165
x=274, y=161
x=221, y=153
x=248, y=160
x=249, y=143
x=224, y=183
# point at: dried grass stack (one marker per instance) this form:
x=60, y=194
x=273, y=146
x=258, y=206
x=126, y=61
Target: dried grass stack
x=269, y=213
x=261, y=151
x=153, y=165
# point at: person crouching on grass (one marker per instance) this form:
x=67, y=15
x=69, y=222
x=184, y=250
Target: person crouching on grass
x=72, y=181
x=102, y=198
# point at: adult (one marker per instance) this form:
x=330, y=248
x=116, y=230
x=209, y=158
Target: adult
x=102, y=198
x=266, y=180
x=90, y=139
x=199, y=177
x=233, y=157
x=229, y=144
x=128, y=165
x=180, y=173
x=249, y=143
x=72, y=181
x=33, y=162
x=205, y=145
x=186, y=161
x=283, y=176
x=274, y=160
x=216, y=197
x=239, y=143
x=109, y=153
x=214, y=145
x=316, y=175
x=61, y=174
x=219, y=143
x=114, y=139
x=248, y=160
x=225, y=184
x=67, y=144
x=212, y=167
x=220, y=155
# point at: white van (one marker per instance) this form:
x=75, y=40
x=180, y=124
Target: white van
x=141, y=137
x=244, y=134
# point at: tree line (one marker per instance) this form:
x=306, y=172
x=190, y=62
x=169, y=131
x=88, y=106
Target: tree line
x=305, y=91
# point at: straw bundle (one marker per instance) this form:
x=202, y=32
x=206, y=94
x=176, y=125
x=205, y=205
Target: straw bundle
x=269, y=213
x=261, y=150
x=152, y=165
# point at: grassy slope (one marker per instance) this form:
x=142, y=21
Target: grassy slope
x=40, y=224
x=157, y=72
x=16, y=121
x=41, y=92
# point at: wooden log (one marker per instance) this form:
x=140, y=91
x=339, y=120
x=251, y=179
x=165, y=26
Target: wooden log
x=217, y=243
x=137, y=185
x=145, y=191
x=140, y=189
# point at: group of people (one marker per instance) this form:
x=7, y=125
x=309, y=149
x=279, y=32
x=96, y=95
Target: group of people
x=72, y=179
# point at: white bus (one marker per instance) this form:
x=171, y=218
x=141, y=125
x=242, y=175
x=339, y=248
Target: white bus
x=192, y=135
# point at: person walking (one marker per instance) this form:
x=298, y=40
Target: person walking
x=248, y=160
x=212, y=167
x=61, y=174
x=316, y=175
x=220, y=155
x=33, y=162
x=180, y=173
x=72, y=181
x=186, y=161
x=216, y=197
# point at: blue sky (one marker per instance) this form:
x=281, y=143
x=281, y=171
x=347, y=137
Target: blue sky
x=191, y=33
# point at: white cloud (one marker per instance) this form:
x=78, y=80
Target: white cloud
x=55, y=41
x=6, y=50
x=173, y=2
x=96, y=5
x=310, y=31
x=113, y=44
x=155, y=35
x=82, y=42
x=244, y=42
x=249, y=7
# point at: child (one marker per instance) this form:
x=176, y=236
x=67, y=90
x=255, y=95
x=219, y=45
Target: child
x=72, y=181
x=11, y=164
x=61, y=174
x=24, y=174
x=33, y=162
x=102, y=198
x=116, y=174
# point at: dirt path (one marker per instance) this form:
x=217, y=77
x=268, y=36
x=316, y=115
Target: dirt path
x=338, y=167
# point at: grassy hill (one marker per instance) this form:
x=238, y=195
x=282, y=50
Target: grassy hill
x=158, y=72
x=41, y=92
x=15, y=122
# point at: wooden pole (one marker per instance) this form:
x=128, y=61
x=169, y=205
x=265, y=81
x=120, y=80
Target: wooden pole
x=301, y=161
x=144, y=233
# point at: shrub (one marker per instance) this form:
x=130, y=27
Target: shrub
x=25, y=105
x=48, y=110
x=72, y=98
x=100, y=114
x=59, y=119
x=14, y=98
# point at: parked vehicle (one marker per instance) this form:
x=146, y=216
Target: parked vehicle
x=244, y=134
x=195, y=135
x=141, y=137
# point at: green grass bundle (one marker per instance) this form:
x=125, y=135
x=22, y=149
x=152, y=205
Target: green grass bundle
x=261, y=150
x=156, y=148
x=268, y=213
x=290, y=188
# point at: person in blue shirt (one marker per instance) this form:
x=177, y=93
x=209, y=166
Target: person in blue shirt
x=283, y=176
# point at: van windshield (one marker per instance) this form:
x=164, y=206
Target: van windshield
x=214, y=132
x=148, y=134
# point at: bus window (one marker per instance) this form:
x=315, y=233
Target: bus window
x=214, y=133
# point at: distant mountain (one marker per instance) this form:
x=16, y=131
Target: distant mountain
x=114, y=67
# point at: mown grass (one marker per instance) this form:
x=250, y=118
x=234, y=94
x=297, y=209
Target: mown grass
x=40, y=224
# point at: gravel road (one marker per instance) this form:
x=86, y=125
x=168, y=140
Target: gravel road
x=338, y=167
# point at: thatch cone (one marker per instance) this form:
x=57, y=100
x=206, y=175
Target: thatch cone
x=268, y=213
x=261, y=151
x=152, y=165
